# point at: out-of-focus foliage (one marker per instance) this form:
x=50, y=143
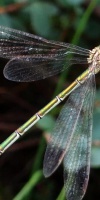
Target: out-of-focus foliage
x=95, y=158
x=66, y=3
x=46, y=123
x=42, y=16
x=63, y=20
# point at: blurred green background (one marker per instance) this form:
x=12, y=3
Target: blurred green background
x=73, y=21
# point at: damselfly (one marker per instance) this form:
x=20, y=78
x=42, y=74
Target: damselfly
x=33, y=58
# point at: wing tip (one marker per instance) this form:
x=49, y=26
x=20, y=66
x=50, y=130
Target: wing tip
x=48, y=169
x=11, y=73
x=47, y=173
x=10, y=77
x=8, y=71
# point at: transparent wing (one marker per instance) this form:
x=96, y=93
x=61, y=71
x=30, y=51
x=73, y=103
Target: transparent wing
x=77, y=158
x=33, y=58
x=65, y=127
x=28, y=69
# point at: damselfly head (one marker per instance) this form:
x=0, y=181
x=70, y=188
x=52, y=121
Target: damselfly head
x=94, y=59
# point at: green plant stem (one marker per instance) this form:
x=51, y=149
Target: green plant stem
x=36, y=177
x=61, y=195
x=83, y=21
x=39, y=155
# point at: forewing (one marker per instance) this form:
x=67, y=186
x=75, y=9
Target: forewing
x=33, y=58
x=62, y=135
x=77, y=158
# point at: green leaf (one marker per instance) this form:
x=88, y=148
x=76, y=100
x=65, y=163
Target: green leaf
x=42, y=14
x=5, y=20
x=95, y=157
x=74, y=2
x=96, y=126
x=8, y=21
x=96, y=117
x=46, y=123
x=67, y=3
